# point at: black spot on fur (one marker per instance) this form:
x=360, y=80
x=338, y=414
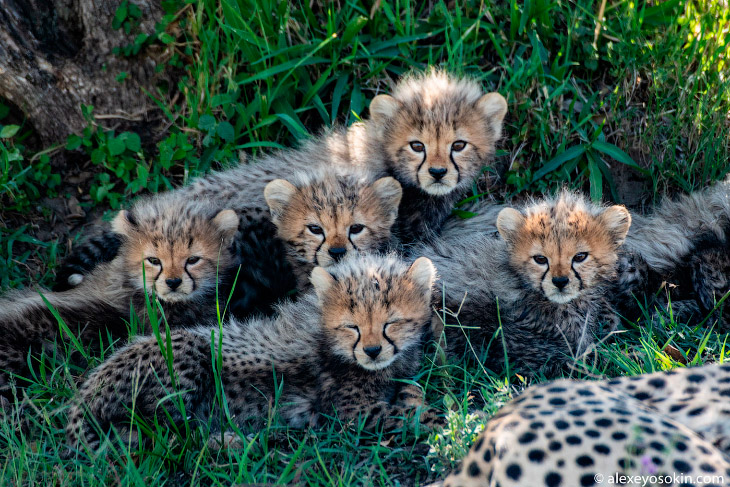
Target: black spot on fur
x=514, y=472
x=602, y=449
x=527, y=437
x=536, y=456
x=553, y=479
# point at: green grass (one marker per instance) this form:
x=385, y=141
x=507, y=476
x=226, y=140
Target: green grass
x=636, y=111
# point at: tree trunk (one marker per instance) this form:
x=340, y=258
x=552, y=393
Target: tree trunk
x=57, y=54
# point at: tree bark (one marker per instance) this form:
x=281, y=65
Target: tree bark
x=57, y=54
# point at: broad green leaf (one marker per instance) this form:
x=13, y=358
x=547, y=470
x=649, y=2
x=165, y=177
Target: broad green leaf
x=8, y=131
x=616, y=153
x=207, y=123
x=225, y=131
x=294, y=126
x=98, y=156
x=116, y=146
x=133, y=142
x=559, y=160
x=120, y=15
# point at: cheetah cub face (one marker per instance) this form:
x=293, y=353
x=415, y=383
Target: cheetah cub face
x=175, y=248
x=438, y=130
x=566, y=247
x=333, y=216
x=373, y=313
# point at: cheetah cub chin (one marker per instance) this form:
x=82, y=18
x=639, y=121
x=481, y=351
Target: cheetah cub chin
x=324, y=216
x=343, y=349
x=170, y=249
x=672, y=425
x=546, y=281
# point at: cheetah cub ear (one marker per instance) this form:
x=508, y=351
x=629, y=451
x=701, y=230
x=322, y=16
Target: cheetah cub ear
x=509, y=224
x=383, y=107
x=278, y=193
x=389, y=192
x=322, y=281
x=227, y=223
x=124, y=223
x=494, y=107
x=617, y=220
x=423, y=273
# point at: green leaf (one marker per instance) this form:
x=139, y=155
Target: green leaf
x=596, y=179
x=559, y=160
x=353, y=28
x=225, y=131
x=8, y=131
x=134, y=11
x=116, y=146
x=98, y=156
x=133, y=142
x=463, y=214
x=207, y=123
x=294, y=126
x=120, y=15
x=616, y=153
x=73, y=142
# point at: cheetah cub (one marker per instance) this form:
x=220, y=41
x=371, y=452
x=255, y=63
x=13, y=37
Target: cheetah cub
x=580, y=433
x=546, y=281
x=342, y=349
x=170, y=249
x=686, y=242
x=436, y=133
x=329, y=216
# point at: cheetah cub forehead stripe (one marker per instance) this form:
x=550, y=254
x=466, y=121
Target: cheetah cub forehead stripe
x=175, y=246
x=374, y=308
x=565, y=245
x=438, y=130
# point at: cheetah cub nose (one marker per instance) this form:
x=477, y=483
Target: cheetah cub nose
x=560, y=282
x=173, y=283
x=373, y=352
x=437, y=173
x=337, y=253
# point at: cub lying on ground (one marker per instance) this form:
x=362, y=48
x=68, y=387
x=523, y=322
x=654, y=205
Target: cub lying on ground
x=686, y=242
x=338, y=350
x=170, y=249
x=547, y=281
